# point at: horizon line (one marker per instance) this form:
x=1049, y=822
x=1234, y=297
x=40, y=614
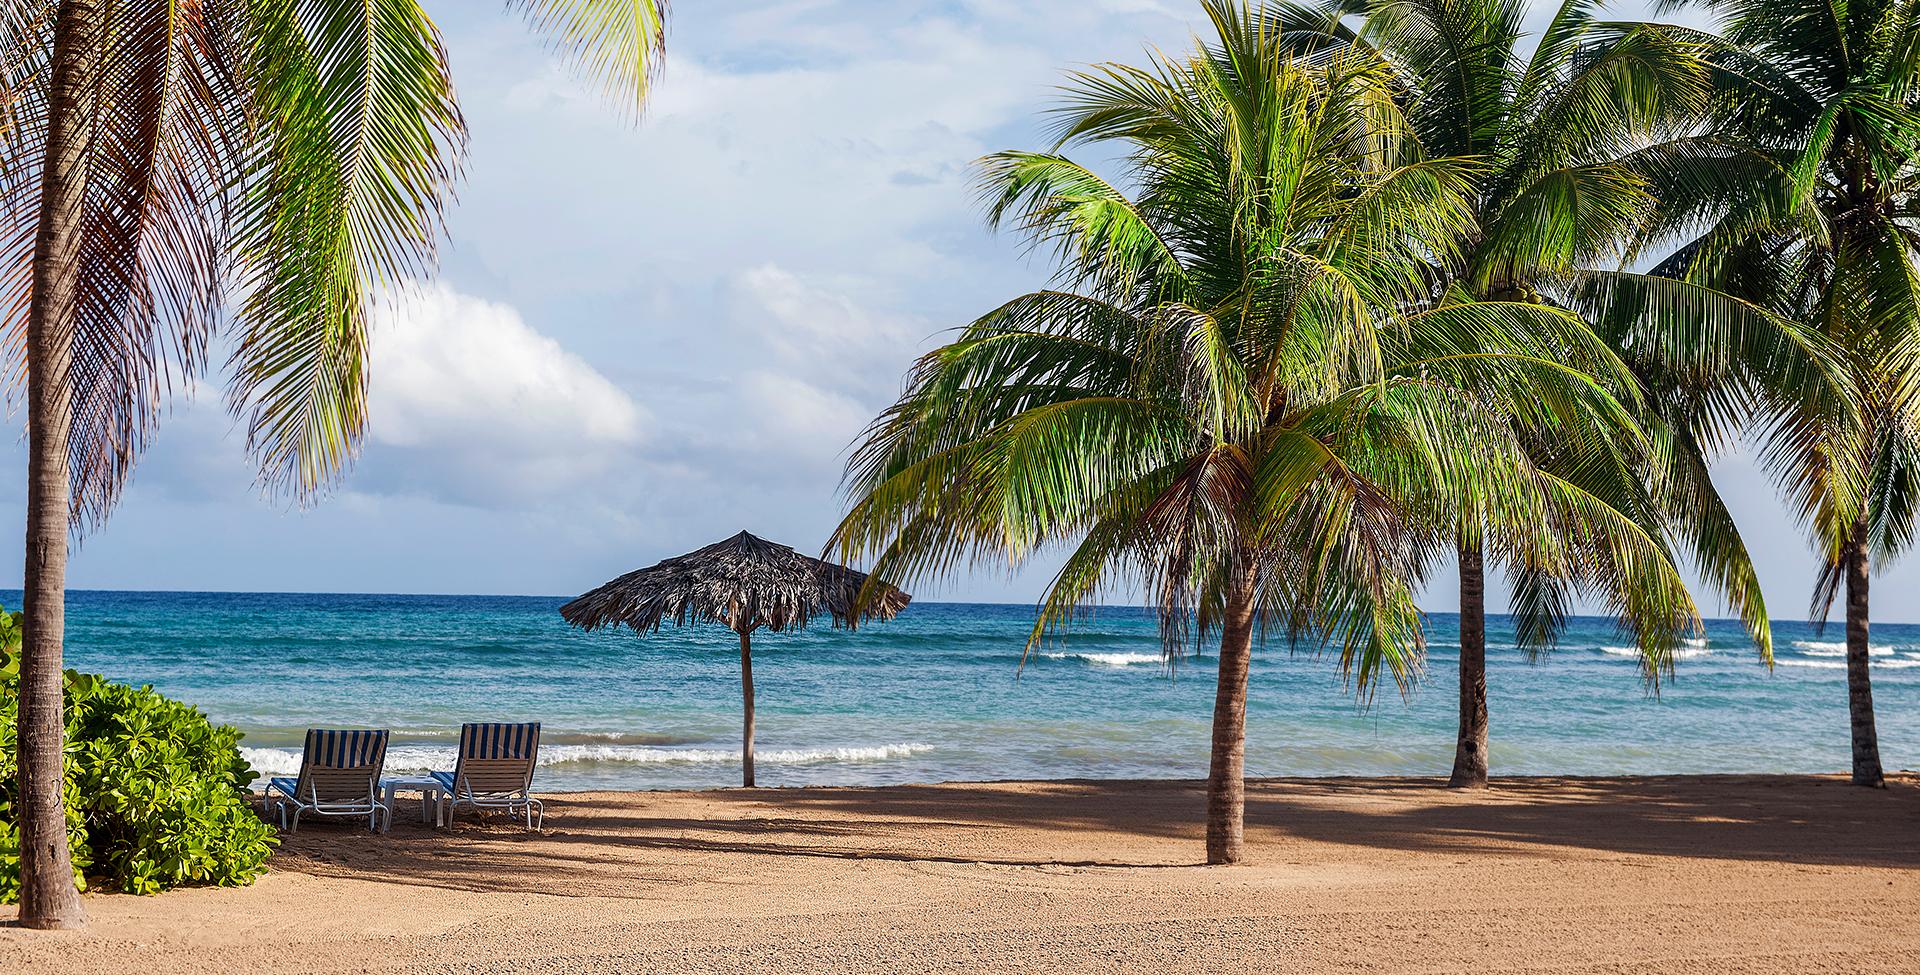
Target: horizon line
x=932, y=602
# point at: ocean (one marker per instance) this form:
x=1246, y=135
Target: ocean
x=939, y=694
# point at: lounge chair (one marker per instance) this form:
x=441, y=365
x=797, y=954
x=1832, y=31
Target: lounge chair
x=495, y=770
x=339, y=776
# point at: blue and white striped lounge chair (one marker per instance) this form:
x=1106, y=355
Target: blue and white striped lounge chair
x=495, y=770
x=339, y=776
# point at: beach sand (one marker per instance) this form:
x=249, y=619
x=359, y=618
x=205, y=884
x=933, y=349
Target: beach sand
x=1707, y=874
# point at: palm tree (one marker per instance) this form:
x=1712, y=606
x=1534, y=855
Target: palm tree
x=161, y=155
x=1802, y=198
x=1250, y=393
x=1569, y=132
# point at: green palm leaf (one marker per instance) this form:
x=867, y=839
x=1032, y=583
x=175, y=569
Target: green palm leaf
x=617, y=45
x=1264, y=397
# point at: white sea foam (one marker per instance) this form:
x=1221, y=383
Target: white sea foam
x=1834, y=648
x=1842, y=665
x=1678, y=653
x=1109, y=659
x=419, y=758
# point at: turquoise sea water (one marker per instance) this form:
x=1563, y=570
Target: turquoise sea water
x=936, y=695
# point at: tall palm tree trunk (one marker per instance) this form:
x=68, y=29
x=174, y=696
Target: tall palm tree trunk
x=1226, y=776
x=1470, y=748
x=1866, y=742
x=48, y=898
x=746, y=693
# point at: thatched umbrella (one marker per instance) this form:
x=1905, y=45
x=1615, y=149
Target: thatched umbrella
x=743, y=583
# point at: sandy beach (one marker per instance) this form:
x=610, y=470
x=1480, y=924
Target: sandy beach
x=1707, y=874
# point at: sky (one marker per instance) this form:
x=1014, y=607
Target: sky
x=644, y=338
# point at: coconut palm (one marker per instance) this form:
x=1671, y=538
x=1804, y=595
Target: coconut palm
x=1802, y=198
x=1250, y=392
x=1569, y=132
x=163, y=156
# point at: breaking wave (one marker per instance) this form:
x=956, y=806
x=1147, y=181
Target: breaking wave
x=1842, y=665
x=1107, y=659
x=416, y=758
x=1834, y=648
x=1679, y=653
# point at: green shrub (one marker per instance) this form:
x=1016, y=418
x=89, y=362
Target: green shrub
x=156, y=794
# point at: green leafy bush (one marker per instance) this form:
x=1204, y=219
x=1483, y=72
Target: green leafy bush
x=156, y=794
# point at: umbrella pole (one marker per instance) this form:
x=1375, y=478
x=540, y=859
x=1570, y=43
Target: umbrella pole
x=746, y=693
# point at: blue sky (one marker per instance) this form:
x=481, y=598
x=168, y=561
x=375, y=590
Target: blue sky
x=645, y=338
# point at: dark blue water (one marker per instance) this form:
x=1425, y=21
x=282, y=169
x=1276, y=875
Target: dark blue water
x=937, y=694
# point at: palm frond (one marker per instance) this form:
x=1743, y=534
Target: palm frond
x=164, y=128
x=360, y=141
x=617, y=45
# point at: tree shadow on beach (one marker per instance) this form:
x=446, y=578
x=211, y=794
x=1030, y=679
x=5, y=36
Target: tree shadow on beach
x=1790, y=819
x=1802, y=820
x=625, y=845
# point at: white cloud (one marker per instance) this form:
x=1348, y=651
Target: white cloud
x=823, y=333
x=799, y=153
x=758, y=400
x=469, y=400
x=797, y=416
x=451, y=367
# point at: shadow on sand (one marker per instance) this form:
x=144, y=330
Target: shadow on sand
x=641, y=844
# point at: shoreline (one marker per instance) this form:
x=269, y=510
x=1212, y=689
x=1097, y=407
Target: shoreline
x=1681, y=874
x=1410, y=780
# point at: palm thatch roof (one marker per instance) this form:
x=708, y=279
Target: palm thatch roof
x=744, y=582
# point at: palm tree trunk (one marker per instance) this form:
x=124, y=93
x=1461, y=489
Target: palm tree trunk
x=746, y=694
x=1226, y=778
x=1470, y=748
x=48, y=898
x=1866, y=742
